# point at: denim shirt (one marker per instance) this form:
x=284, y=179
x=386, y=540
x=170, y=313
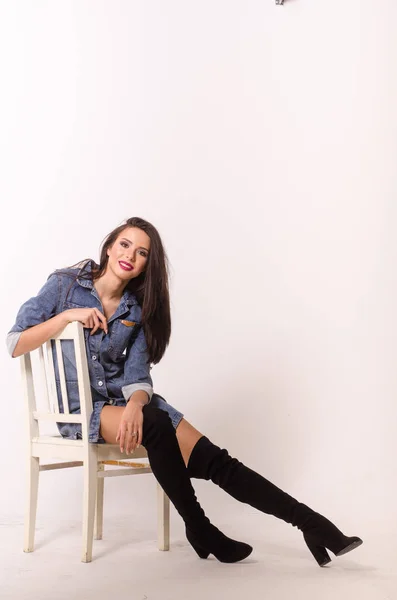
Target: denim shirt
x=117, y=361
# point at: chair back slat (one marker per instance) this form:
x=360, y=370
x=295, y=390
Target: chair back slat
x=44, y=377
x=61, y=368
x=29, y=394
x=83, y=377
x=50, y=376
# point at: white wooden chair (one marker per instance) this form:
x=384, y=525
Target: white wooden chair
x=38, y=366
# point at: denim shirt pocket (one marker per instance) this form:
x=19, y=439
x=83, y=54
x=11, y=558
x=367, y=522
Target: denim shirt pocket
x=122, y=333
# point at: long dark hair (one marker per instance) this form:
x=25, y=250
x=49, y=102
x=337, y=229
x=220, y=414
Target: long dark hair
x=150, y=287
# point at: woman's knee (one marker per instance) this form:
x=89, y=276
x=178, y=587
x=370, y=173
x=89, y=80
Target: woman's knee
x=155, y=416
x=156, y=425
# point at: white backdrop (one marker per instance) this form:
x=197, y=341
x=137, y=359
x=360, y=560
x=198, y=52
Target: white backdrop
x=261, y=141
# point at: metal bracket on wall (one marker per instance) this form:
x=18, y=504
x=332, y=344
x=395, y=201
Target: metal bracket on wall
x=280, y=2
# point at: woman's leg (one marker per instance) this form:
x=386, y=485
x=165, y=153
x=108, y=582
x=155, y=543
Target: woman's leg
x=186, y=434
x=205, y=460
x=187, y=437
x=110, y=421
x=166, y=461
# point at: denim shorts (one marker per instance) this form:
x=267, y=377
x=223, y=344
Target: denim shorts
x=157, y=401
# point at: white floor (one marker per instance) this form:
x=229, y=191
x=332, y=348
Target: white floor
x=127, y=564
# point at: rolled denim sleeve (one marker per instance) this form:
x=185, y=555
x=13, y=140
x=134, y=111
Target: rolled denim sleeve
x=36, y=310
x=137, y=369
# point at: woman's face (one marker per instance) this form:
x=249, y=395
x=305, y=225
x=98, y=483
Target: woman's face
x=129, y=254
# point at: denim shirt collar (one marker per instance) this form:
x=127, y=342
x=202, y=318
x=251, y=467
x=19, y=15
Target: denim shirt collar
x=128, y=299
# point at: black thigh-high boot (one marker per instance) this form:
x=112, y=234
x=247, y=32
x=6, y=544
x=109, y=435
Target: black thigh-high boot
x=208, y=461
x=165, y=458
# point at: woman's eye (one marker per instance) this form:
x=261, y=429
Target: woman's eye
x=141, y=252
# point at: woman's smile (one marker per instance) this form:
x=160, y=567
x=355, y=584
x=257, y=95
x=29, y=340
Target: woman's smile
x=125, y=266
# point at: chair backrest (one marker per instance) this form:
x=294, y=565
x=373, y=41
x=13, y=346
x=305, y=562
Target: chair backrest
x=39, y=367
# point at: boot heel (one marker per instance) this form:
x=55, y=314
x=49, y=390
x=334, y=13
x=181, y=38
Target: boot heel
x=319, y=552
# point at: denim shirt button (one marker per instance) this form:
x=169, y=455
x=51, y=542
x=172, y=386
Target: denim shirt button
x=93, y=357
x=100, y=383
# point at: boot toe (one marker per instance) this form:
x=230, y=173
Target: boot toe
x=354, y=542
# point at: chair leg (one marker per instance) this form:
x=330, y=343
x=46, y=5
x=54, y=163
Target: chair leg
x=98, y=527
x=33, y=471
x=90, y=483
x=163, y=519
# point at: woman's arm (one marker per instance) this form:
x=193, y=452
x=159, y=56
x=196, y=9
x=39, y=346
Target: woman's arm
x=37, y=319
x=137, y=371
x=32, y=338
x=139, y=398
x=35, y=312
x=35, y=336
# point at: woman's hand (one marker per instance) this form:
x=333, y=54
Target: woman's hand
x=131, y=422
x=91, y=318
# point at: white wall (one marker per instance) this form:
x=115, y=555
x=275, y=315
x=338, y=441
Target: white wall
x=261, y=141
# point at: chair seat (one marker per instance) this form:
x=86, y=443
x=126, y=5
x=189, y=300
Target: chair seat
x=104, y=451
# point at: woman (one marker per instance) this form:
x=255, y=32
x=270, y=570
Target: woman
x=124, y=305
